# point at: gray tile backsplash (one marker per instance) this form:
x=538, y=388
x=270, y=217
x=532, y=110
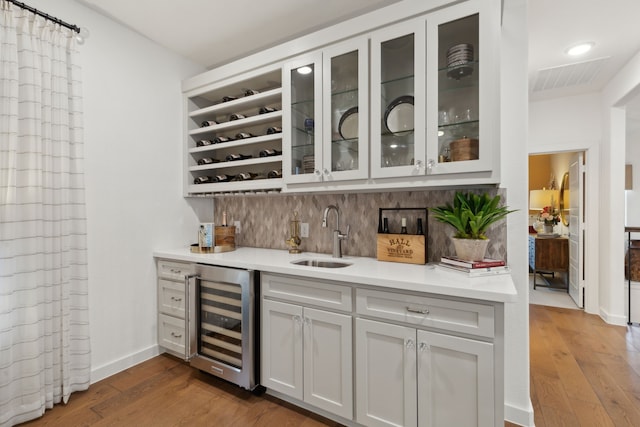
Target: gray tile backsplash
x=265, y=220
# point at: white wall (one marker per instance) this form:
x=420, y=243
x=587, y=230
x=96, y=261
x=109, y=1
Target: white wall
x=572, y=124
x=618, y=92
x=514, y=166
x=133, y=135
x=632, y=197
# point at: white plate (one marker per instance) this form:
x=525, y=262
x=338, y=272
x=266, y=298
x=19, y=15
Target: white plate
x=399, y=116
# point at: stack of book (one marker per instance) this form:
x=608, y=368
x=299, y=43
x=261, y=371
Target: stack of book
x=486, y=267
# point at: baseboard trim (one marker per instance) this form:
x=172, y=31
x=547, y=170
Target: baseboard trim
x=520, y=416
x=112, y=368
x=613, y=320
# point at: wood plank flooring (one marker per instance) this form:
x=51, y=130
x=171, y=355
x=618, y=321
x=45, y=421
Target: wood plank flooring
x=583, y=373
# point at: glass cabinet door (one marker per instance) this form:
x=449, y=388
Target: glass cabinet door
x=345, y=111
x=459, y=125
x=398, y=100
x=301, y=119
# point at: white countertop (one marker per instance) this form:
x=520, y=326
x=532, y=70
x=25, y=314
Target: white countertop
x=368, y=271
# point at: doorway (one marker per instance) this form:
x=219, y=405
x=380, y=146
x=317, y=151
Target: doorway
x=557, y=254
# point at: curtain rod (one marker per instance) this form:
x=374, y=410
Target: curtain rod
x=45, y=15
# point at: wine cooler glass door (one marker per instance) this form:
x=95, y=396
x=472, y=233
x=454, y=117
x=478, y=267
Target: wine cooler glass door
x=302, y=107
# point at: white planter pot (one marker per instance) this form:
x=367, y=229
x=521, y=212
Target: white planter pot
x=470, y=249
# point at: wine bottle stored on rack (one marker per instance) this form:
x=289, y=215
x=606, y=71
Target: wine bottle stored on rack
x=243, y=135
x=265, y=110
x=203, y=180
x=268, y=152
x=274, y=129
x=207, y=161
x=237, y=116
x=245, y=176
x=222, y=178
x=233, y=157
x=220, y=139
x=206, y=123
x=203, y=143
x=274, y=174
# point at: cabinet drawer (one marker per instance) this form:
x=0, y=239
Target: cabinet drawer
x=171, y=334
x=304, y=291
x=457, y=316
x=171, y=297
x=173, y=270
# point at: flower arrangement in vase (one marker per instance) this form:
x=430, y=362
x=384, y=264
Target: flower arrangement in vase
x=549, y=216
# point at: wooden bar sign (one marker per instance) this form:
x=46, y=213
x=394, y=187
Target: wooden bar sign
x=406, y=248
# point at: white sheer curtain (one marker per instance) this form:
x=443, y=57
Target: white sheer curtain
x=44, y=329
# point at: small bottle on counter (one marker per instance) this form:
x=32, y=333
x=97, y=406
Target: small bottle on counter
x=385, y=225
x=224, y=218
x=403, y=228
x=420, y=230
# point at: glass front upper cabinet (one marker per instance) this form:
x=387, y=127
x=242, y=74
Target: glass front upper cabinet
x=325, y=109
x=301, y=119
x=398, y=100
x=346, y=111
x=459, y=126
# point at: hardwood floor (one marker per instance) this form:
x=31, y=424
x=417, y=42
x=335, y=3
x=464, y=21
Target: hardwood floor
x=583, y=373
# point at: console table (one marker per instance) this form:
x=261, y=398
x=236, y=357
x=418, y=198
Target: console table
x=549, y=255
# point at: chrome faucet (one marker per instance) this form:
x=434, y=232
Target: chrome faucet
x=338, y=237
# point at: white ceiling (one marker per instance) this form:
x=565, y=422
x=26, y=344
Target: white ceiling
x=214, y=32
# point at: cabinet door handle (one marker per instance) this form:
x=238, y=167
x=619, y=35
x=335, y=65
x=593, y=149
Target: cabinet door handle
x=173, y=334
x=418, y=310
x=176, y=299
x=410, y=344
x=430, y=165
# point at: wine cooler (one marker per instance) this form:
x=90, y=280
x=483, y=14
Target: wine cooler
x=222, y=323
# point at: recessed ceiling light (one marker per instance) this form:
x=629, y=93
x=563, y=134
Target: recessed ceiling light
x=580, y=49
x=304, y=70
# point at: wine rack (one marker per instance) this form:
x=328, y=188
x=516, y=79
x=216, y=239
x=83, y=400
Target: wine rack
x=248, y=111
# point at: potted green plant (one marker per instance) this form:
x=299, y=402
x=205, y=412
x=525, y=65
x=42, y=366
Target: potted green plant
x=471, y=215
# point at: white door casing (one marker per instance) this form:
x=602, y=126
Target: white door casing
x=576, y=228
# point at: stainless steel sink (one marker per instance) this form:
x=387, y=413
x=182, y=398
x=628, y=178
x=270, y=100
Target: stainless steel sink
x=321, y=263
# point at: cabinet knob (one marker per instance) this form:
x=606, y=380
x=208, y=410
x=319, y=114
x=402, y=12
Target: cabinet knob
x=419, y=165
x=423, y=346
x=297, y=318
x=317, y=172
x=326, y=172
x=410, y=344
x=173, y=334
x=430, y=165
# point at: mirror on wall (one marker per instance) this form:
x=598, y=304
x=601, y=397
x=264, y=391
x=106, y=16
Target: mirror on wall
x=564, y=199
